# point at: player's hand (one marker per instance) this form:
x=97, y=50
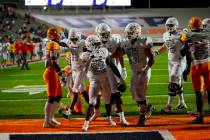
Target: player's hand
x=124, y=73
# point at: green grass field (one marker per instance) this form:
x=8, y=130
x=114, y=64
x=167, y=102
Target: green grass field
x=22, y=105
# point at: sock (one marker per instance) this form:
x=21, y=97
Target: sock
x=47, y=110
x=108, y=109
x=85, y=95
x=199, y=103
x=181, y=98
x=89, y=112
x=170, y=100
x=74, y=101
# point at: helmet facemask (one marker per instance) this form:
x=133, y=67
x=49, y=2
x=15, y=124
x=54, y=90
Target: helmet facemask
x=103, y=31
x=74, y=36
x=132, y=31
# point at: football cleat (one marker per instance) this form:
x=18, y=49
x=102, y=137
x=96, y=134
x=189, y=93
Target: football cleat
x=181, y=106
x=49, y=125
x=150, y=109
x=166, y=109
x=110, y=121
x=198, y=120
x=66, y=114
x=54, y=121
x=124, y=122
x=85, y=126
x=141, y=121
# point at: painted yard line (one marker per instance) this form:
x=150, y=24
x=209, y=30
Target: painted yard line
x=33, y=62
x=30, y=100
x=18, y=75
x=166, y=135
x=149, y=83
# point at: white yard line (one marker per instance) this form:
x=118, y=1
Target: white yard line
x=31, y=100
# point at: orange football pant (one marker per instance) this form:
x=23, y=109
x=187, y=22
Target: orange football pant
x=52, y=81
x=200, y=75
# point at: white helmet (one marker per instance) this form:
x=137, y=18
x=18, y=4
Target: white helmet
x=74, y=35
x=92, y=42
x=103, y=31
x=171, y=24
x=132, y=31
x=206, y=23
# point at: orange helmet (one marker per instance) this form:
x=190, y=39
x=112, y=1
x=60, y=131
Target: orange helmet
x=195, y=23
x=53, y=33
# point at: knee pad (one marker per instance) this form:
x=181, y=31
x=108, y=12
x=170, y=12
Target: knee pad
x=173, y=89
x=51, y=99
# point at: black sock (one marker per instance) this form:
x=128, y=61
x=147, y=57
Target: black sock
x=74, y=101
x=89, y=112
x=199, y=102
x=85, y=96
x=108, y=109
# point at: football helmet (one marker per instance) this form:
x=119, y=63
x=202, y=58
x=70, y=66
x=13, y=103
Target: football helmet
x=195, y=23
x=103, y=31
x=171, y=24
x=206, y=23
x=74, y=35
x=132, y=31
x=92, y=42
x=53, y=33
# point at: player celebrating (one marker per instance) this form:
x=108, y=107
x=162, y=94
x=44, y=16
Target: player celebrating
x=197, y=47
x=176, y=63
x=76, y=47
x=138, y=50
x=96, y=58
x=112, y=44
x=51, y=77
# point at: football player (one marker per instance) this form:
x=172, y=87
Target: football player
x=176, y=63
x=138, y=50
x=197, y=47
x=76, y=47
x=112, y=44
x=95, y=58
x=206, y=27
x=51, y=77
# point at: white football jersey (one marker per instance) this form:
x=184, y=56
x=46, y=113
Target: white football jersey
x=76, y=50
x=174, y=45
x=136, y=52
x=113, y=43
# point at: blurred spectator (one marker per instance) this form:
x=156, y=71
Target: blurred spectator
x=24, y=51
x=12, y=52
x=18, y=51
